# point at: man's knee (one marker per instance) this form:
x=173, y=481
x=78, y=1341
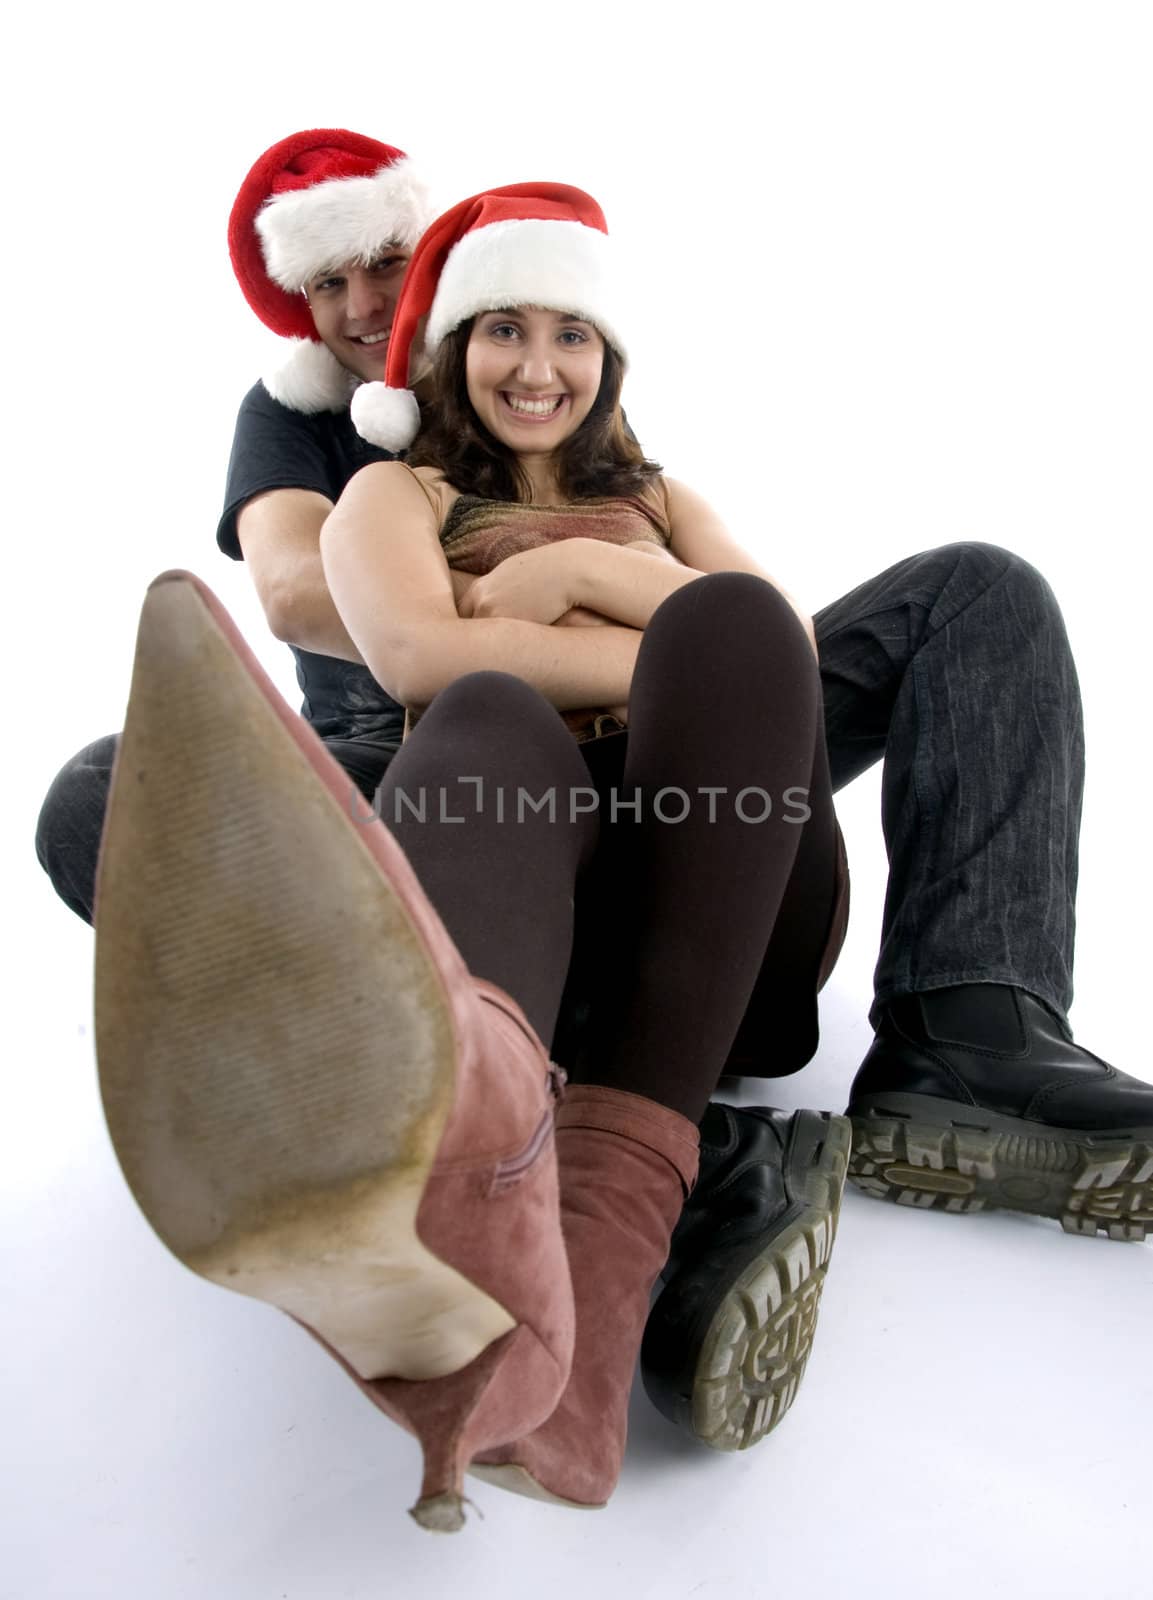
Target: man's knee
x=71, y=822
x=982, y=566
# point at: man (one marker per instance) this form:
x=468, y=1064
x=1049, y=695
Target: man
x=953, y=666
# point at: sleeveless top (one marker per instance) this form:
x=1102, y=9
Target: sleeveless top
x=476, y=535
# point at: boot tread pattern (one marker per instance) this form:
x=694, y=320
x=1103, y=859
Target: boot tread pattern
x=1088, y=1188
x=754, y=1356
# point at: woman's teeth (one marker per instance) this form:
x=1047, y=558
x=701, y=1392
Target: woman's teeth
x=535, y=408
x=373, y=338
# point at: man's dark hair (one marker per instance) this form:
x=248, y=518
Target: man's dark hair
x=600, y=458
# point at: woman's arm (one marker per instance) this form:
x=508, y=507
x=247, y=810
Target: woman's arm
x=387, y=573
x=620, y=582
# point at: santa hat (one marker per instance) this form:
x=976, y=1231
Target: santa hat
x=530, y=244
x=313, y=202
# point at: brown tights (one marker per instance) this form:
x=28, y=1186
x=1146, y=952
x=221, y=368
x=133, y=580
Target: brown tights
x=688, y=929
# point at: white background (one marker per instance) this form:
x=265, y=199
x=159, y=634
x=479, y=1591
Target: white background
x=893, y=267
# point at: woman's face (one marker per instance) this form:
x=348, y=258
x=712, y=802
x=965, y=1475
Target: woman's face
x=533, y=376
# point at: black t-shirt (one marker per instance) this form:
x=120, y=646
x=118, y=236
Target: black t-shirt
x=275, y=448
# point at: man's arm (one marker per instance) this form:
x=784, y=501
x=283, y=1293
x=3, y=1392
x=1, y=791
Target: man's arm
x=279, y=534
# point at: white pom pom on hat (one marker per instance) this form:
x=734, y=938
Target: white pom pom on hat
x=387, y=418
x=539, y=244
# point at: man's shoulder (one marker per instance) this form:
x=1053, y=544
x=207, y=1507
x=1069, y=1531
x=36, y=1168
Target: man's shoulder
x=259, y=406
x=274, y=447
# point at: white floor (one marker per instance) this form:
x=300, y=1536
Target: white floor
x=975, y=1420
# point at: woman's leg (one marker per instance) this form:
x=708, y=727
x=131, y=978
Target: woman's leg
x=490, y=801
x=778, y=1033
x=724, y=732
x=314, y=1101
x=724, y=716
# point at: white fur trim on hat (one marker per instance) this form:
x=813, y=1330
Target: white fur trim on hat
x=387, y=418
x=309, y=378
x=308, y=231
x=562, y=266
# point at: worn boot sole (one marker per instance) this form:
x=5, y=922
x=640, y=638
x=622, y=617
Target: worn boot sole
x=276, y=1047
x=725, y=1365
x=518, y=1480
x=935, y=1155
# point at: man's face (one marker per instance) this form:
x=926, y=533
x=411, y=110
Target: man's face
x=352, y=309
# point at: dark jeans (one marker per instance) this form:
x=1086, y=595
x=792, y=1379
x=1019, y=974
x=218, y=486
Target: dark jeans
x=953, y=666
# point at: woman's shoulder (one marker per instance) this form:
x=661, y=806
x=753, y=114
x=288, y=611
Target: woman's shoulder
x=654, y=497
x=679, y=500
x=439, y=492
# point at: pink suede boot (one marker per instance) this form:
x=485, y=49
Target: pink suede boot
x=312, y=1100
x=627, y=1166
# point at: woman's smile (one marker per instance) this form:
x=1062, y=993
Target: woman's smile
x=533, y=408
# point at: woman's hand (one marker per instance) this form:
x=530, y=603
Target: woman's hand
x=542, y=585
x=574, y=617
x=533, y=586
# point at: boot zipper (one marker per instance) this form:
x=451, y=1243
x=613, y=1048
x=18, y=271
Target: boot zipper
x=514, y=1168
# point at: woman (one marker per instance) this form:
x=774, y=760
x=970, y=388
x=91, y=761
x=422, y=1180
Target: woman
x=577, y=512
x=329, y=1092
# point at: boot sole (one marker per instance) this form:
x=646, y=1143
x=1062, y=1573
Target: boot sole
x=276, y=1048
x=518, y=1480
x=917, y=1151
x=729, y=1370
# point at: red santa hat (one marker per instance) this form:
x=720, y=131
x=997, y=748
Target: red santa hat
x=530, y=244
x=313, y=202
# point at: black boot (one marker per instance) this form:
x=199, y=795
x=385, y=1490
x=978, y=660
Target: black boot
x=727, y=1341
x=976, y=1096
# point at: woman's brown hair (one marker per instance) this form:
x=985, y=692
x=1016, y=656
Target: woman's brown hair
x=600, y=458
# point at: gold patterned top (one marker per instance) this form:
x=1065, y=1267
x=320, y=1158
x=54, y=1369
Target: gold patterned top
x=476, y=535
